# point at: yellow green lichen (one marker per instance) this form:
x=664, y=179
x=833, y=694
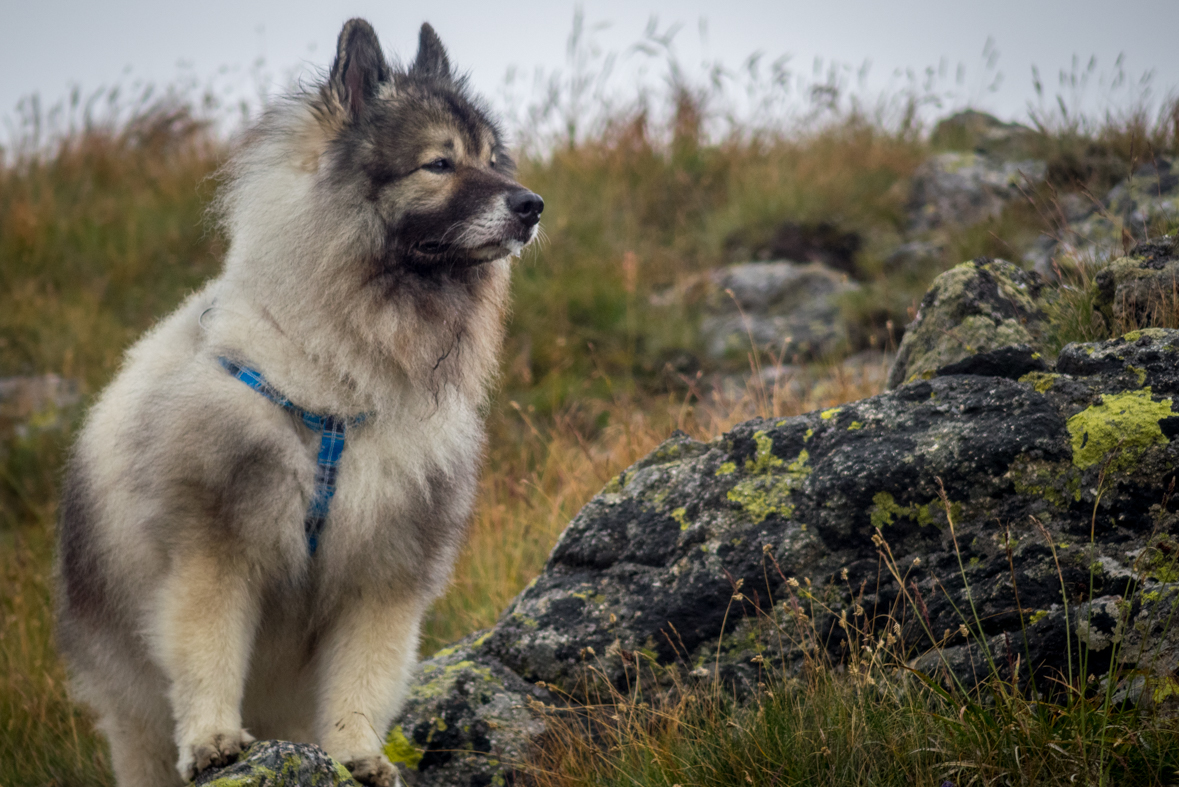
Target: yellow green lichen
x=728, y=468
x=885, y=510
x=679, y=515
x=1037, y=616
x=765, y=492
x=1041, y=381
x=827, y=415
x=398, y=749
x=614, y=485
x=854, y=426
x=809, y=434
x=764, y=459
x=1138, y=372
x=1127, y=423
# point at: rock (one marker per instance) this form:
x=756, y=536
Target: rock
x=703, y=538
x=784, y=307
x=280, y=764
x=983, y=133
x=976, y=307
x=1012, y=362
x=1142, y=288
x=917, y=514
x=467, y=717
x=966, y=188
x=1134, y=209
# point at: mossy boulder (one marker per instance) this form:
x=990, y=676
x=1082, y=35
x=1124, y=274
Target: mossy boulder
x=674, y=571
x=980, y=132
x=978, y=307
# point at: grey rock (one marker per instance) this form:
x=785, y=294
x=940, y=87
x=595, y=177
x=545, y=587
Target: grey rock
x=1095, y=233
x=976, y=307
x=782, y=307
x=467, y=721
x=279, y=764
x=703, y=538
x=1142, y=288
x=966, y=188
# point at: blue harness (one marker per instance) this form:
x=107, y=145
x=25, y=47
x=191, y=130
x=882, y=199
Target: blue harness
x=331, y=431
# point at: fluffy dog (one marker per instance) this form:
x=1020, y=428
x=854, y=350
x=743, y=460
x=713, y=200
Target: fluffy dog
x=275, y=486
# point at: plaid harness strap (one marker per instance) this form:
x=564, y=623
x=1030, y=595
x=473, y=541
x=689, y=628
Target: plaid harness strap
x=331, y=430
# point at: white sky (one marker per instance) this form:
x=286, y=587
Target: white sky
x=47, y=46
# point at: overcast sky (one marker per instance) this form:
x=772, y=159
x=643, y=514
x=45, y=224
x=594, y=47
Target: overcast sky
x=47, y=46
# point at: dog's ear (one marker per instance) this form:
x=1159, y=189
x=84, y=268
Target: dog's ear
x=431, y=62
x=359, y=68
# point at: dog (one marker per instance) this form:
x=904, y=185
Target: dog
x=265, y=500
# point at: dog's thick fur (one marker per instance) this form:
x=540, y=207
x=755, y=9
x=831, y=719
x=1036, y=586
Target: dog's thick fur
x=371, y=224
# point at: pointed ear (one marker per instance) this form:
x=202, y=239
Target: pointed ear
x=431, y=61
x=359, y=68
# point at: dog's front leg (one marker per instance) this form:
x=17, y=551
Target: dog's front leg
x=364, y=669
x=207, y=618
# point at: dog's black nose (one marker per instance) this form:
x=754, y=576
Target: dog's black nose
x=526, y=205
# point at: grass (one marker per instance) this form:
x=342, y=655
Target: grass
x=103, y=231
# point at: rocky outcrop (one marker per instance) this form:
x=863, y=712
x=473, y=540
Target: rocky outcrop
x=787, y=308
x=971, y=310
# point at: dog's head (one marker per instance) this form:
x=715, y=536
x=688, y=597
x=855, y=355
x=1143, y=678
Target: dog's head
x=426, y=156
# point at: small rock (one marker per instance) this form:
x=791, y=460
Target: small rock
x=279, y=764
x=783, y=307
x=976, y=307
x=1143, y=288
x=468, y=720
x=1133, y=209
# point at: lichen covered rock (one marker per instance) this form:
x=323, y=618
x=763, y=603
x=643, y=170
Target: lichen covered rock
x=1143, y=287
x=703, y=537
x=280, y=764
x=468, y=720
x=977, y=307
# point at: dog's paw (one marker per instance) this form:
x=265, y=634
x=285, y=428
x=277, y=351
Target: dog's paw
x=375, y=770
x=216, y=751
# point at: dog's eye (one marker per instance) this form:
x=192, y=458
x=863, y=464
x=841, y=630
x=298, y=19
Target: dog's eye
x=440, y=165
